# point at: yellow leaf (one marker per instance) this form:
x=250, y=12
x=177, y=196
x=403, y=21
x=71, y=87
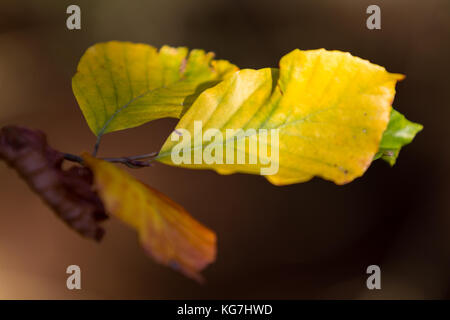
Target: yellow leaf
x=328, y=108
x=121, y=85
x=167, y=232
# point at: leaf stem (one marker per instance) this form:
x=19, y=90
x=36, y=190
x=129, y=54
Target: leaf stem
x=97, y=145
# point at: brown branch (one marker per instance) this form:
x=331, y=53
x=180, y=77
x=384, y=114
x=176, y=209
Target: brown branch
x=139, y=161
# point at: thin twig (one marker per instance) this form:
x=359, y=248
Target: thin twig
x=138, y=157
x=73, y=158
x=132, y=161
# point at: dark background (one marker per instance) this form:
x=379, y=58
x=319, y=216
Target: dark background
x=311, y=240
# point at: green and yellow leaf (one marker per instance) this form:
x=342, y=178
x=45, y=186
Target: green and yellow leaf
x=120, y=85
x=167, y=232
x=400, y=132
x=330, y=109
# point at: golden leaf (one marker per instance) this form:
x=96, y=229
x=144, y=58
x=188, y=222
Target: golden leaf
x=121, y=85
x=326, y=109
x=166, y=231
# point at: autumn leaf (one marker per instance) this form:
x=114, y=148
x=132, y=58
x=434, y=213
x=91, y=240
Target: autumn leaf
x=400, y=132
x=329, y=107
x=67, y=192
x=167, y=232
x=120, y=85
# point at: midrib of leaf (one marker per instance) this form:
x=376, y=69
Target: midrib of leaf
x=114, y=115
x=202, y=147
x=286, y=151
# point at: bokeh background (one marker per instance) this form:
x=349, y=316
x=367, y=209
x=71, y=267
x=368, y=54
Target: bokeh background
x=311, y=240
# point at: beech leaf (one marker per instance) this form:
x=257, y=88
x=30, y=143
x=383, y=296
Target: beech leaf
x=330, y=109
x=68, y=192
x=166, y=231
x=400, y=132
x=120, y=85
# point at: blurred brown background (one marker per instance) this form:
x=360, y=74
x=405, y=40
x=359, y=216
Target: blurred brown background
x=312, y=240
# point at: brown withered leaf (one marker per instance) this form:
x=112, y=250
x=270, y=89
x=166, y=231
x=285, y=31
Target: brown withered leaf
x=68, y=192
